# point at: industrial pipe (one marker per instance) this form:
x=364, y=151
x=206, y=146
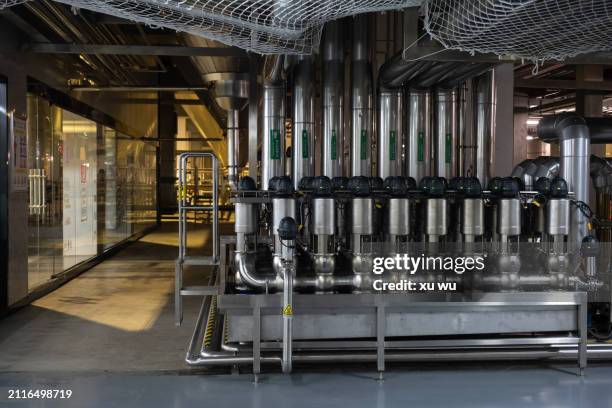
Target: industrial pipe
x=233, y=145
x=572, y=133
x=390, y=132
x=361, y=99
x=444, y=135
x=333, y=91
x=418, y=141
x=273, y=152
x=484, y=125
x=302, y=157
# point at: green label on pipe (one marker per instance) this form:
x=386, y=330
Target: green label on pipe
x=449, y=147
x=364, y=144
x=334, y=145
x=421, y=147
x=305, y=152
x=392, y=145
x=275, y=144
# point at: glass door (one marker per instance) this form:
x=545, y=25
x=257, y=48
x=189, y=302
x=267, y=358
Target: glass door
x=45, y=190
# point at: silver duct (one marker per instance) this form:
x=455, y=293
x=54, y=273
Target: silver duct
x=390, y=132
x=572, y=133
x=233, y=144
x=273, y=154
x=484, y=125
x=444, y=135
x=361, y=99
x=333, y=89
x=465, y=144
x=231, y=92
x=303, y=120
x=418, y=144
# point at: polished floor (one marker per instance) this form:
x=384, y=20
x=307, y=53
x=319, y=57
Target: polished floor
x=501, y=387
x=109, y=337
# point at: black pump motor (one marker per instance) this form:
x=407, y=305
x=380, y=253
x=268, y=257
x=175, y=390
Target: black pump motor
x=433, y=186
x=360, y=186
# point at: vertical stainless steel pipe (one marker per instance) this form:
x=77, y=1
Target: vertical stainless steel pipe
x=444, y=135
x=390, y=132
x=484, y=125
x=303, y=120
x=273, y=154
x=361, y=99
x=575, y=152
x=418, y=143
x=233, y=144
x=288, y=272
x=333, y=91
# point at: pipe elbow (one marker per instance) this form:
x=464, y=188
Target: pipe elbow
x=550, y=128
x=245, y=264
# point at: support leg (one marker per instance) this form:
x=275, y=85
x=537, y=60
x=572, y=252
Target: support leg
x=178, y=300
x=380, y=340
x=582, y=324
x=256, y=342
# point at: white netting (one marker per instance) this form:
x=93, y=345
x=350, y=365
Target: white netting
x=264, y=26
x=531, y=29
x=10, y=3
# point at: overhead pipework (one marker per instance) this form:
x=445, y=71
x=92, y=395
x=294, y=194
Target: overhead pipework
x=231, y=92
x=273, y=137
x=303, y=143
x=332, y=56
x=330, y=247
x=390, y=130
x=361, y=98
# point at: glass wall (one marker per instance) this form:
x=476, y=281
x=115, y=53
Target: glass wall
x=91, y=187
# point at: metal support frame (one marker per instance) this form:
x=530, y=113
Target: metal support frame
x=183, y=259
x=384, y=327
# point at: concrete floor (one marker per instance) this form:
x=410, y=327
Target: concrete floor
x=116, y=317
x=109, y=336
x=500, y=387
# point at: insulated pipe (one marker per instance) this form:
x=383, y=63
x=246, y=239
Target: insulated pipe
x=444, y=135
x=573, y=135
x=418, y=143
x=233, y=145
x=463, y=148
x=333, y=90
x=484, y=111
x=303, y=120
x=390, y=133
x=361, y=99
x=600, y=130
x=273, y=154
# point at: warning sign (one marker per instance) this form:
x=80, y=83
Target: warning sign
x=288, y=311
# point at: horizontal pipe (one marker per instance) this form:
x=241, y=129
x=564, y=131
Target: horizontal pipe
x=553, y=353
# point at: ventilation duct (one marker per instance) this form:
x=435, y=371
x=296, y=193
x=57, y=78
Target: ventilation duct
x=231, y=92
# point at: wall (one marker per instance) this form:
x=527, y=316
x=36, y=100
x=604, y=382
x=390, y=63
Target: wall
x=141, y=120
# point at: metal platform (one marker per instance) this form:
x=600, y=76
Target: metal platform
x=383, y=321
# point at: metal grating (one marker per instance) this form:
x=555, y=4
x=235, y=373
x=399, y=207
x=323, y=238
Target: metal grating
x=263, y=26
x=531, y=29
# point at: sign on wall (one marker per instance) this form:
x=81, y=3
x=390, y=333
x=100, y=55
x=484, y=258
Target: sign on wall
x=19, y=153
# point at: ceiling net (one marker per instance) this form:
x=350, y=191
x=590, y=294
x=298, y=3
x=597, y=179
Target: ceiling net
x=263, y=26
x=531, y=29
